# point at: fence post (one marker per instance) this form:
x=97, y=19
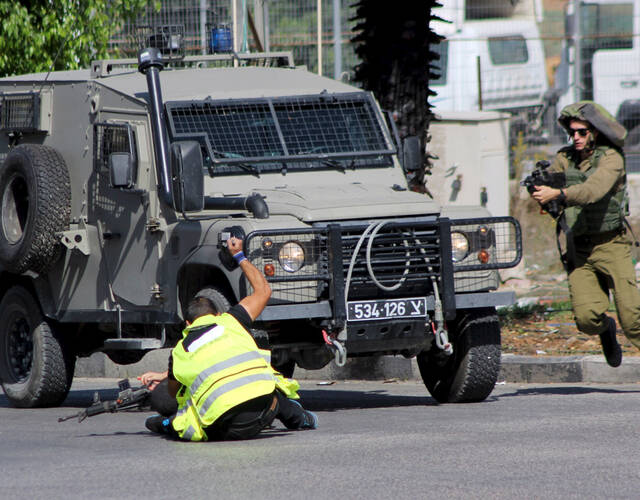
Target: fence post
x=479, y=74
x=319, y=37
x=337, y=39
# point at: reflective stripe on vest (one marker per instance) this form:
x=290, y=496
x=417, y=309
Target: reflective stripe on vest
x=223, y=365
x=266, y=355
x=189, y=433
x=230, y=386
x=220, y=368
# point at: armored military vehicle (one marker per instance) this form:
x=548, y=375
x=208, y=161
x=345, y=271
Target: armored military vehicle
x=120, y=184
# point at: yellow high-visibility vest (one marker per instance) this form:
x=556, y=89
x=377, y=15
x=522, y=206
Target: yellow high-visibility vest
x=219, y=366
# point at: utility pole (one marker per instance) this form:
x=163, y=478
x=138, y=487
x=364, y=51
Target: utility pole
x=319, y=37
x=576, y=36
x=337, y=39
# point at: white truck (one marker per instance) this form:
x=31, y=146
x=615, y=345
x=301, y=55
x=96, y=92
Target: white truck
x=491, y=58
x=601, y=61
x=601, y=58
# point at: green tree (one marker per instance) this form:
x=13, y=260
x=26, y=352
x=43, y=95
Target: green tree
x=393, y=44
x=38, y=35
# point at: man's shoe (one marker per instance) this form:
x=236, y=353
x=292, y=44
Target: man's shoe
x=158, y=424
x=310, y=420
x=610, y=347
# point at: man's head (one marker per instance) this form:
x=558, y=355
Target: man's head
x=583, y=134
x=200, y=306
x=592, y=116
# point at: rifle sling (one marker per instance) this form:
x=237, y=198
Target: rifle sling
x=569, y=257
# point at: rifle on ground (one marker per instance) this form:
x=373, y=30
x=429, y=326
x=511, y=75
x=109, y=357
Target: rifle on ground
x=128, y=399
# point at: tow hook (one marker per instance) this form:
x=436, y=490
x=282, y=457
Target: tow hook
x=339, y=348
x=442, y=339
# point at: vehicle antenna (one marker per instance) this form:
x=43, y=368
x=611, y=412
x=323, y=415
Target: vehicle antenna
x=62, y=45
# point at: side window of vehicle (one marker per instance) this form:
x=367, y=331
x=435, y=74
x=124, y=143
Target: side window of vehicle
x=440, y=66
x=115, y=153
x=508, y=50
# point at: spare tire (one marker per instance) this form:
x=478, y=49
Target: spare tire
x=35, y=204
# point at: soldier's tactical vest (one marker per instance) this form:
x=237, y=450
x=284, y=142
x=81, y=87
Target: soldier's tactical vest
x=219, y=366
x=605, y=215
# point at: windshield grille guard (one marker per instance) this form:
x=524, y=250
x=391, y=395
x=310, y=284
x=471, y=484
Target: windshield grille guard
x=289, y=129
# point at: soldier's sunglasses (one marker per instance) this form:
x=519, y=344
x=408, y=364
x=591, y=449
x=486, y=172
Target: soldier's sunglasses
x=582, y=132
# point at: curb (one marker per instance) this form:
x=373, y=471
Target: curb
x=516, y=369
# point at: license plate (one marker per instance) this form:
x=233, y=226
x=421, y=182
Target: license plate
x=369, y=310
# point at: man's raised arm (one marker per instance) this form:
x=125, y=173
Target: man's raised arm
x=256, y=302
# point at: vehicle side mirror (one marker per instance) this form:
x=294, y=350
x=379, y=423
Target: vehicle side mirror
x=187, y=179
x=122, y=170
x=411, y=154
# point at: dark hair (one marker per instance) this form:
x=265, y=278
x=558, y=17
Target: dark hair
x=200, y=306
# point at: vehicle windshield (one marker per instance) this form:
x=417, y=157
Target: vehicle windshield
x=270, y=134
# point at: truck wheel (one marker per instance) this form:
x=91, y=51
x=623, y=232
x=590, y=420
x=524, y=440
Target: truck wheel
x=470, y=373
x=34, y=369
x=286, y=369
x=216, y=296
x=35, y=204
x=633, y=138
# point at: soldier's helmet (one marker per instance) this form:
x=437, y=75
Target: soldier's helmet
x=598, y=117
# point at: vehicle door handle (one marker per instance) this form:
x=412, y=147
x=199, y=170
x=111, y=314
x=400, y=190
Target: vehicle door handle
x=629, y=84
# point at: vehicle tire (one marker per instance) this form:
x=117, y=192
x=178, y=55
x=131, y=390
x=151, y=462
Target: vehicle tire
x=215, y=295
x=633, y=138
x=35, y=369
x=35, y=204
x=470, y=373
x=286, y=369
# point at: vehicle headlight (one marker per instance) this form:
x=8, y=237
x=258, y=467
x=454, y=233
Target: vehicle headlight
x=291, y=256
x=459, y=246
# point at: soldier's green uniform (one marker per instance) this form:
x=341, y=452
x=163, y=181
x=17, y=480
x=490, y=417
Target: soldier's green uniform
x=596, y=207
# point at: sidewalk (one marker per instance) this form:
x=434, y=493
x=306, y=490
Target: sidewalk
x=523, y=369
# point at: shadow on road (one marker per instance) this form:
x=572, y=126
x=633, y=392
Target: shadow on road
x=75, y=399
x=332, y=400
x=563, y=391
x=314, y=399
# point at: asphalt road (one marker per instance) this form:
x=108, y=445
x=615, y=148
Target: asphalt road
x=376, y=440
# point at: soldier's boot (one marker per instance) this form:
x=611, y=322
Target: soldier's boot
x=610, y=347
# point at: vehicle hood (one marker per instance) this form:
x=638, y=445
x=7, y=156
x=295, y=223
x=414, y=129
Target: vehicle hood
x=350, y=201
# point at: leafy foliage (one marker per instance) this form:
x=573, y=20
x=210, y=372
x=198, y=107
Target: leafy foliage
x=38, y=35
x=393, y=44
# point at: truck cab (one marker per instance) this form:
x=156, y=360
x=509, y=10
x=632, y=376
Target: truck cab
x=491, y=58
x=600, y=61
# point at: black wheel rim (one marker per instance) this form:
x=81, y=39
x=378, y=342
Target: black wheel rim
x=19, y=347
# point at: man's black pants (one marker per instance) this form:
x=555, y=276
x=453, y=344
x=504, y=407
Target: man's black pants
x=241, y=422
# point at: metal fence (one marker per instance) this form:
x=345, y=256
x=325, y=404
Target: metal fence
x=499, y=54
x=306, y=28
